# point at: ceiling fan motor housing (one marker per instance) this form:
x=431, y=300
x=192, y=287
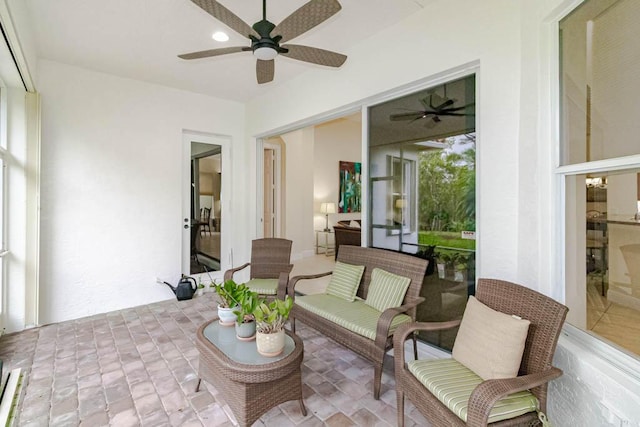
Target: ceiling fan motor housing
x=264, y=28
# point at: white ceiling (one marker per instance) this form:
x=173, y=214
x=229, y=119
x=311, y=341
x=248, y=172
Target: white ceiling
x=140, y=39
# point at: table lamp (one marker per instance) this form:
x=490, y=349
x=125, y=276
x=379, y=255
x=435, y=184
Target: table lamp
x=327, y=208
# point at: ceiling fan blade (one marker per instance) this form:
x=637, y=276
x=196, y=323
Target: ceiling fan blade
x=213, y=52
x=264, y=70
x=225, y=16
x=314, y=55
x=460, y=108
x=406, y=116
x=447, y=113
x=305, y=18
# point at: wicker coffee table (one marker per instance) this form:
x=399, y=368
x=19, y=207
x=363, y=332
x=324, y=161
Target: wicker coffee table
x=251, y=384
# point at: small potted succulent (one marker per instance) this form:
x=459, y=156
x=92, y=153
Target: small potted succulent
x=211, y=287
x=230, y=294
x=270, y=320
x=245, y=319
x=200, y=289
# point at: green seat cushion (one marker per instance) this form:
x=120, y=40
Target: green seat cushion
x=355, y=316
x=345, y=280
x=386, y=290
x=263, y=286
x=452, y=383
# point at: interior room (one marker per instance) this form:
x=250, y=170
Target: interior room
x=531, y=104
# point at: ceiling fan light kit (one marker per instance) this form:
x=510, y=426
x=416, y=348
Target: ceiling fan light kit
x=265, y=53
x=265, y=46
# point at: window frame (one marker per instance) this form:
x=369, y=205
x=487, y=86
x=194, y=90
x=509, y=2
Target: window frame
x=4, y=156
x=618, y=362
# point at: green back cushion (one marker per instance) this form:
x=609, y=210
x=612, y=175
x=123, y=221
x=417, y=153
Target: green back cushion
x=386, y=290
x=263, y=286
x=354, y=316
x=345, y=280
x=452, y=383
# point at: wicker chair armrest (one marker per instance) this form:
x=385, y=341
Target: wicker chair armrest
x=283, y=281
x=402, y=333
x=489, y=392
x=384, y=322
x=228, y=275
x=294, y=281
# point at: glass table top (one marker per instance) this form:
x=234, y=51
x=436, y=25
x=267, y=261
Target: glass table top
x=244, y=352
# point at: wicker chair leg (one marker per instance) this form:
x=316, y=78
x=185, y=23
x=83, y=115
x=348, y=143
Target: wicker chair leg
x=198, y=385
x=302, y=408
x=377, y=379
x=400, y=400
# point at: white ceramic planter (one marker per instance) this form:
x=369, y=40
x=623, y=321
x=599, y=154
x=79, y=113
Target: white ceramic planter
x=226, y=316
x=270, y=345
x=246, y=331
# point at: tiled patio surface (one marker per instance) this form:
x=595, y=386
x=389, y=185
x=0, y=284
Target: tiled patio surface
x=138, y=367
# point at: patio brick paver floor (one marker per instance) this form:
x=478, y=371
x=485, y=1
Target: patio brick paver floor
x=138, y=367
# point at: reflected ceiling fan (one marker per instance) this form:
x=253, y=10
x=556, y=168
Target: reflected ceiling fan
x=435, y=106
x=266, y=37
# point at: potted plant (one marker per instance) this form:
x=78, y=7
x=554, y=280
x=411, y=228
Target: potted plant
x=200, y=289
x=270, y=321
x=230, y=294
x=245, y=319
x=211, y=287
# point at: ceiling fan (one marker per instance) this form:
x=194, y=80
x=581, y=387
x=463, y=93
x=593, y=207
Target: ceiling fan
x=266, y=37
x=434, y=107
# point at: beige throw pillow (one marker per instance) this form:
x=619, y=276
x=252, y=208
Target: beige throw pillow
x=489, y=342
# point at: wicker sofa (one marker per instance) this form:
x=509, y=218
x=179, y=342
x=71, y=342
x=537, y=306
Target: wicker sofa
x=375, y=335
x=345, y=234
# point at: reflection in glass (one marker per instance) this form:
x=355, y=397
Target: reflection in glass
x=422, y=201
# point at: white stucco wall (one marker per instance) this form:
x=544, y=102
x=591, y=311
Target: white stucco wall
x=491, y=37
x=111, y=187
x=299, y=191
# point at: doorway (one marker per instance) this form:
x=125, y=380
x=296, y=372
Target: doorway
x=272, y=217
x=204, y=223
x=206, y=180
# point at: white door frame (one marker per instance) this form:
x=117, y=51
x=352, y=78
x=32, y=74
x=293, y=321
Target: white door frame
x=224, y=141
x=261, y=145
x=277, y=183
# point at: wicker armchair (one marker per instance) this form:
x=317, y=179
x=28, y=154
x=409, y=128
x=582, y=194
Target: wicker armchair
x=546, y=316
x=373, y=350
x=271, y=260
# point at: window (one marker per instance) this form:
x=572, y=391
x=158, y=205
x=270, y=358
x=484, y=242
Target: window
x=600, y=158
x=402, y=194
x=422, y=192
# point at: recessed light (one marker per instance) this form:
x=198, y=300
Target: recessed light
x=219, y=36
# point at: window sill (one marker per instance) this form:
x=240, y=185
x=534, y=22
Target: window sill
x=623, y=365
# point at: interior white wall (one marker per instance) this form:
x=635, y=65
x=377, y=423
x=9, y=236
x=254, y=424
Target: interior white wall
x=299, y=195
x=111, y=218
x=334, y=141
